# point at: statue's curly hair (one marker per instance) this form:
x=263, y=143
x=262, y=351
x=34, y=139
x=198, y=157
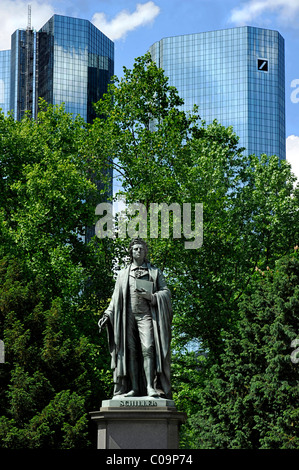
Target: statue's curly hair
x=136, y=241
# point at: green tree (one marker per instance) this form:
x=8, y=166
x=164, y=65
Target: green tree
x=250, y=205
x=251, y=400
x=53, y=285
x=250, y=211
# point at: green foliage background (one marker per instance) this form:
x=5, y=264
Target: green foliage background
x=53, y=285
x=235, y=298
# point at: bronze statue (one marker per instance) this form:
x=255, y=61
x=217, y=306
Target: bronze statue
x=138, y=321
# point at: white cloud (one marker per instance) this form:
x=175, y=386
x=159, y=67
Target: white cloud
x=293, y=153
x=14, y=14
x=287, y=11
x=125, y=21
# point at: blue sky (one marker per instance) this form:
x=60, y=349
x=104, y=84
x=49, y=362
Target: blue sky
x=135, y=25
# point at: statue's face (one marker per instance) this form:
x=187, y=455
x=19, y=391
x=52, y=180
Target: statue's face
x=138, y=252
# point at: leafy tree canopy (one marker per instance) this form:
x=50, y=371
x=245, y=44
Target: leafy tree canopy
x=251, y=400
x=54, y=286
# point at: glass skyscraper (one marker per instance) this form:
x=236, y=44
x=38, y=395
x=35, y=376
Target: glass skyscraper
x=23, y=72
x=236, y=76
x=68, y=61
x=76, y=62
x=4, y=80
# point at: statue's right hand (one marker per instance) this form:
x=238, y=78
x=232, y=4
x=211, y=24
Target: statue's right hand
x=102, y=322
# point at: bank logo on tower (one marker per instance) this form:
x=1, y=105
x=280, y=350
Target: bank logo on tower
x=262, y=65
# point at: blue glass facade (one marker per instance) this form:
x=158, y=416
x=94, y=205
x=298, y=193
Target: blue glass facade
x=23, y=73
x=68, y=61
x=76, y=62
x=236, y=76
x=4, y=80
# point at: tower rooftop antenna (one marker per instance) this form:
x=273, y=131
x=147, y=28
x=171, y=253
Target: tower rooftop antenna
x=29, y=17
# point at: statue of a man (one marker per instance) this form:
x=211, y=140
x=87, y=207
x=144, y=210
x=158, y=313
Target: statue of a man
x=138, y=321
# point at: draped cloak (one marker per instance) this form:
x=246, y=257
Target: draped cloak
x=161, y=312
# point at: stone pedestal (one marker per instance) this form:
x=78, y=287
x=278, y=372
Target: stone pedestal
x=138, y=423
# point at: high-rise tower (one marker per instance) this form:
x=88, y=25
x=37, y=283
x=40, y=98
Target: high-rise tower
x=236, y=76
x=5, y=67
x=76, y=63
x=23, y=83
x=68, y=61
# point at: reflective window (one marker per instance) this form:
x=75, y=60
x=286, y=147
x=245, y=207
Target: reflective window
x=76, y=64
x=5, y=57
x=218, y=71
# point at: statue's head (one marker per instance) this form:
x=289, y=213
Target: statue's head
x=138, y=241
